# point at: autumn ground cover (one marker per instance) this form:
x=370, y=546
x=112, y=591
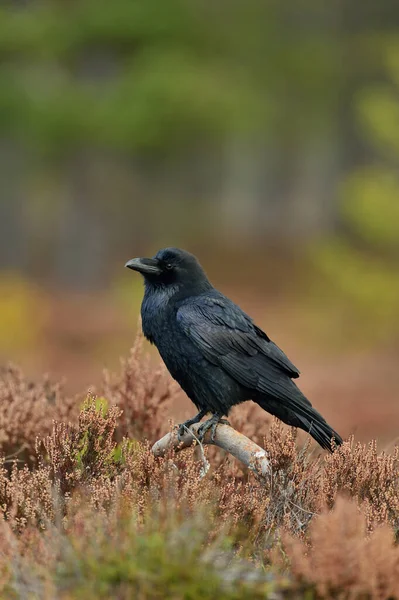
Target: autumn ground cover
x=88, y=512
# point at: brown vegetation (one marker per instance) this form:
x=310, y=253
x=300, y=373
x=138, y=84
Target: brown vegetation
x=87, y=511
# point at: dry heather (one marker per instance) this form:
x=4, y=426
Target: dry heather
x=88, y=512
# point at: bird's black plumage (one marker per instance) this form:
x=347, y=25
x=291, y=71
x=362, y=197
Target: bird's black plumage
x=214, y=350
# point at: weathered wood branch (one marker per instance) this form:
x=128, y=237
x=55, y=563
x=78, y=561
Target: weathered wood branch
x=227, y=438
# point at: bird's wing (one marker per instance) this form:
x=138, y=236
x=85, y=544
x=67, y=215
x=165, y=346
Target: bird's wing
x=227, y=337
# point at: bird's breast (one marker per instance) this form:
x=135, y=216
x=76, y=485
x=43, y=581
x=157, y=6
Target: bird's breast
x=155, y=314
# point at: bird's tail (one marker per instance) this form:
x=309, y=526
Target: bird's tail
x=320, y=430
x=298, y=412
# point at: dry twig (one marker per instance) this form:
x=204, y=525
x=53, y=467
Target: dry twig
x=227, y=438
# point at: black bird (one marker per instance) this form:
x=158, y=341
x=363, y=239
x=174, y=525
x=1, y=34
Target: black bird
x=215, y=351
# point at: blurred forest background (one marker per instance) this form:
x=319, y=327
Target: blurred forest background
x=261, y=135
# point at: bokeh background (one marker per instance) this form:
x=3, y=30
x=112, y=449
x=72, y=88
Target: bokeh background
x=261, y=135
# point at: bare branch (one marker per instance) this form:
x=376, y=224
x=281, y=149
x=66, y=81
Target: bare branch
x=227, y=438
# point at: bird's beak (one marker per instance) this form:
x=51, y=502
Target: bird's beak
x=145, y=266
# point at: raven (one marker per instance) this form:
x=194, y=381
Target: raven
x=215, y=351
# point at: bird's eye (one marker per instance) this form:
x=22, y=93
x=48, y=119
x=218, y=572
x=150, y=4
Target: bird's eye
x=168, y=266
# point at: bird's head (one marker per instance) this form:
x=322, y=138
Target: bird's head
x=171, y=267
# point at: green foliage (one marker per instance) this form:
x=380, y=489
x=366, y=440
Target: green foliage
x=371, y=193
x=152, y=564
x=378, y=106
x=371, y=206
x=364, y=287
x=94, y=440
x=362, y=267
x=144, y=75
x=160, y=86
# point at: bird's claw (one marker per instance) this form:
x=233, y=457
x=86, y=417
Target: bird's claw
x=213, y=430
x=184, y=427
x=181, y=431
x=211, y=424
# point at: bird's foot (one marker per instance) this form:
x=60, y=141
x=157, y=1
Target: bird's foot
x=211, y=424
x=187, y=424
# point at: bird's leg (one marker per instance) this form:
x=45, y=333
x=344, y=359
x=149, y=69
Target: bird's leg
x=187, y=424
x=211, y=423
